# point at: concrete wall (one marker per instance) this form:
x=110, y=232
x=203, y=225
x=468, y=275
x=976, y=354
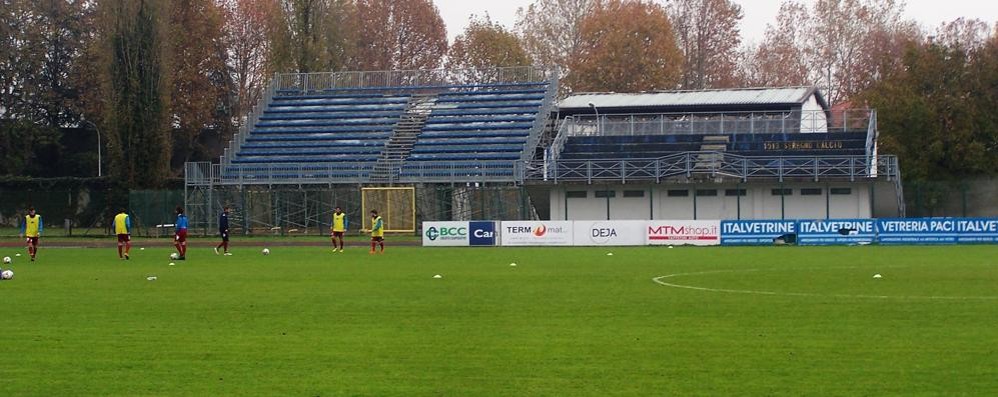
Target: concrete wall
x=709, y=201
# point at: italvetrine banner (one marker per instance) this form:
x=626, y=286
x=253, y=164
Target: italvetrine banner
x=937, y=230
x=684, y=232
x=755, y=232
x=836, y=231
x=600, y=233
x=536, y=232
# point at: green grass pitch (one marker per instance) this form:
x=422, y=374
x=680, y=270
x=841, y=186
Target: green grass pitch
x=565, y=321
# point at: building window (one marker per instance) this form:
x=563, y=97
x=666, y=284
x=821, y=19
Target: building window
x=576, y=194
x=605, y=194
x=840, y=191
x=634, y=193
x=678, y=193
x=706, y=192
x=783, y=192
x=811, y=191
x=735, y=192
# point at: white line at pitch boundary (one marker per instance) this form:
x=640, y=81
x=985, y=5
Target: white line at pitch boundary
x=659, y=281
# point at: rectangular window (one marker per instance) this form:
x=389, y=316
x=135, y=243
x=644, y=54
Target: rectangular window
x=576, y=194
x=735, y=192
x=606, y=194
x=811, y=191
x=840, y=191
x=706, y=192
x=678, y=193
x=634, y=193
x=783, y=192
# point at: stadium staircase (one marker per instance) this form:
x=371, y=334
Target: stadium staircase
x=399, y=145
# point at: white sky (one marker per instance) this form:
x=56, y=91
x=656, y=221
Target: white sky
x=758, y=13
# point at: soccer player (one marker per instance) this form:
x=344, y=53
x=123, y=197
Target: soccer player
x=377, y=232
x=123, y=228
x=340, y=225
x=180, y=238
x=223, y=229
x=31, y=230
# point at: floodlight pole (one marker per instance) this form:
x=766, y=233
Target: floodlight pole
x=99, y=173
x=598, y=132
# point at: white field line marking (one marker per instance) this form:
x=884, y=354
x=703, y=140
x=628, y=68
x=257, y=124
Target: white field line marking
x=659, y=280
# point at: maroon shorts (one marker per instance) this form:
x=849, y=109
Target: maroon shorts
x=377, y=239
x=181, y=236
x=338, y=234
x=124, y=238
x=31, y=241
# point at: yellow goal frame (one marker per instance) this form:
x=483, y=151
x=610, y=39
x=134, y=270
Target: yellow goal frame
x=395, y=205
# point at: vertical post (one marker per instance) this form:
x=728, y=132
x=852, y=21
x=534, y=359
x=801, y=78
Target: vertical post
x=694, y=202
x=828, y=202
x=783, y=201
x=607, y=194
x=738, y=200
x=651, y=203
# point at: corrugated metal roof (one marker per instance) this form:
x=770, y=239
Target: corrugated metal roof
x=749, y=96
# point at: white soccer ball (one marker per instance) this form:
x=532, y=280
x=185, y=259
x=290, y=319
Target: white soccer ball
x=6, y=260
x=7, y=274
x=877, y=276
x=266, y=251
x=174, y=256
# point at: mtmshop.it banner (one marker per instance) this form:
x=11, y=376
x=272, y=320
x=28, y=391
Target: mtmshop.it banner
x=536, y=232
x=937, y=230
x=683, y=232
x=606, y=233
x=755, y=232
x=836, y=231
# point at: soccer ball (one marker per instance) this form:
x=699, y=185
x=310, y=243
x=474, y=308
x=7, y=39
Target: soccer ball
x=174, y=256
x=266, y=251
x=7, y=274
x=6, y=260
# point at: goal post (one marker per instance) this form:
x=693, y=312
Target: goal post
x=396, y=205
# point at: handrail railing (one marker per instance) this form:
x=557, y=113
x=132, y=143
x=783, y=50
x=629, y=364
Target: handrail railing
x=705, y=123
x=541, y=121
x=308, y=82
x=715, y=164
x=239, y=139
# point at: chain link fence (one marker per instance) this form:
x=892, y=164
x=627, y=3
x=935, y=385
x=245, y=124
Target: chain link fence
x=969, y=197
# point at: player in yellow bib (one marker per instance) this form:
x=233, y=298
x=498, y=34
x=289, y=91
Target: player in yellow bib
x=123, y=229
x=31, y=230
x=377, y=232
x=340, y=225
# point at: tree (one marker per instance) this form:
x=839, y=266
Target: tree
x=247, y=25
x=780, y=59
x=200, y=80
x=708, y=37
x=137, y=79
x=310, y=35
x=551, y=30
x=484, y=46
x=626, y=46
x=937, y=112
x=399, y=35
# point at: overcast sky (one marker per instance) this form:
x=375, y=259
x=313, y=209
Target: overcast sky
x=757, y=12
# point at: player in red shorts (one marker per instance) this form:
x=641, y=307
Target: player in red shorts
x=180, y=238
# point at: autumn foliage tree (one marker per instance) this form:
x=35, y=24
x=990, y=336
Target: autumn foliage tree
x=484, y=46
x=398, y=35
x=551, y=30
x=708, y=37
x=249, y=49
x=137, y=79
x=200, y=92
x=309, y=35
x=937, y=111
x=626, y=46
